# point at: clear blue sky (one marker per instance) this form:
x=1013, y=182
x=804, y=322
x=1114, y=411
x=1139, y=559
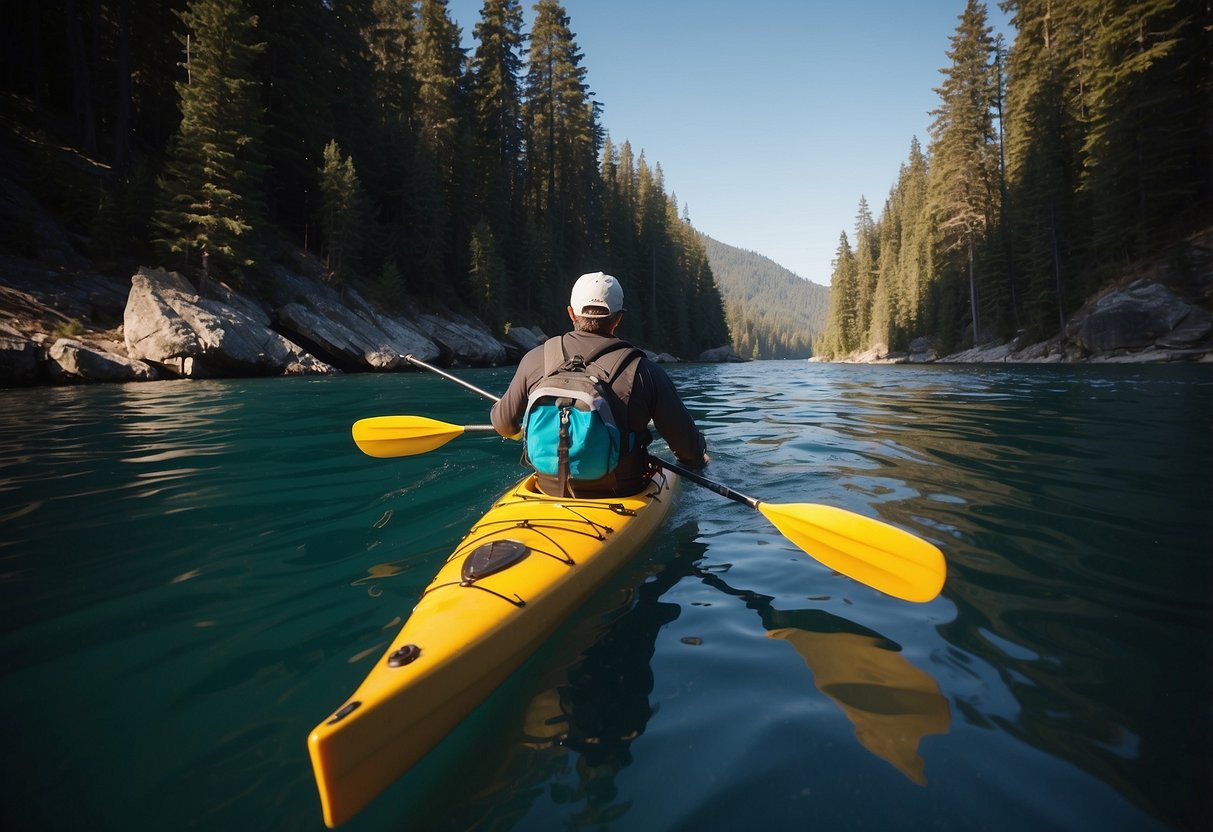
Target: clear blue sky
x=770, y=118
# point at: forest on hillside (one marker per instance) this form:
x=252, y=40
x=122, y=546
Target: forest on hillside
x=209, y=135
x=772, y=313
x=1053, y=162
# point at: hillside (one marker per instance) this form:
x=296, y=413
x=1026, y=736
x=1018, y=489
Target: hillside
x=772, y=313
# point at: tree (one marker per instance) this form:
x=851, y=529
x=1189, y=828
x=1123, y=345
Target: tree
x=840, y=336
x=211, y=196
x=1148, y=138
x=297, y=69
x=562, y=138
x=963, y=151
x=342, y=217
x=496, y=93
x=442, y=151
x=487, y=276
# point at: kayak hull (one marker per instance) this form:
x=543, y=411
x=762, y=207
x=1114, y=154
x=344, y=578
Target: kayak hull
x=473, y=627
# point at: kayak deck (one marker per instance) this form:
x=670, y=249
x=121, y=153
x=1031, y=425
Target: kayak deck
x=518, y=573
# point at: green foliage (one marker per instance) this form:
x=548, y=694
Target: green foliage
x=71, y=328
x=211, y=193
x=1089, y=152
x=342, y=217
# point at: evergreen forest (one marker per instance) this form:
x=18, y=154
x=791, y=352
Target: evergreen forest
x=213, y=136
x=772, y=312
x=1053, y=162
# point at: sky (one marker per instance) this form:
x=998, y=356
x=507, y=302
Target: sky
x=769, y=118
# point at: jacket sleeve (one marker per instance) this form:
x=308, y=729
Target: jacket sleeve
x=671, y=417
x=507, y=413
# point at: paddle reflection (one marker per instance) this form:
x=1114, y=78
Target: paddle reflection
x=891, y=703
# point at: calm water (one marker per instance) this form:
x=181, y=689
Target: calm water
x=192, y=575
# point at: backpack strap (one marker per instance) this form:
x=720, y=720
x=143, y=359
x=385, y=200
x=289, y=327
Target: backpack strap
x=555, y=357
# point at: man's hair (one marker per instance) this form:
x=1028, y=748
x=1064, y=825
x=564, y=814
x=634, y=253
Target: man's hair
x=595, y=326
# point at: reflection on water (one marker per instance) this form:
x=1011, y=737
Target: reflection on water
x=892, y=703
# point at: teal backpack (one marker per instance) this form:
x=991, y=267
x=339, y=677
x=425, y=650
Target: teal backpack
x=569, y=427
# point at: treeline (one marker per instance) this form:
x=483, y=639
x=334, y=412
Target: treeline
x=772, y=313
x=362, y=131
x=1084, y=146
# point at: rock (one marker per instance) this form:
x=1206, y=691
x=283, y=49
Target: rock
x=923, y=350
x=342, y=327
x=74, y=361
x=520, y=340
x=464, y=340
x=1128, y=319
x=525, y=338
x=1192, y=330
x=720, y=355
x=351, y=340
x=167, y=324
x=19, y=358
x=666, y=358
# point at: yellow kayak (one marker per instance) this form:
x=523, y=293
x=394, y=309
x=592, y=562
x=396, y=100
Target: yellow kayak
x=518, y=573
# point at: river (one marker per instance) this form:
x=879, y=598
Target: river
x=194, y=574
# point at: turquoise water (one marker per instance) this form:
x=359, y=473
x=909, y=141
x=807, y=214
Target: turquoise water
x=193, y=574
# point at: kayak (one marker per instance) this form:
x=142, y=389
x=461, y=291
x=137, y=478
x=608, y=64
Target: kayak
x=518, y=573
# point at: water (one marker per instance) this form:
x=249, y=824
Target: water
x=192, y=575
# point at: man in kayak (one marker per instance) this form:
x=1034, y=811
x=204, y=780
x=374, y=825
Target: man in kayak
x=642, y=393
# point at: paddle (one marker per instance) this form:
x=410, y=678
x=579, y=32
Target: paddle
x=392, y=436
x=870, y=551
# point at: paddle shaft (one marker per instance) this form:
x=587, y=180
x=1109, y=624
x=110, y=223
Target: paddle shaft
x=449, y=377
x=722, y=490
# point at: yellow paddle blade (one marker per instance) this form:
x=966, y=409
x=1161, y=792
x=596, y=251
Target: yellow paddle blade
x=882, y=556
x=391, y=436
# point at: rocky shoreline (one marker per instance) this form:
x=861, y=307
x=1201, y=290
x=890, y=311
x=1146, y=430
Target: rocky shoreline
x=1143, y=320
x=60, y=325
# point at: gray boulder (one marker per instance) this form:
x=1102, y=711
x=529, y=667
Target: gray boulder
x=168, y=324
x=342, y=327
x=354, y=340
x=922, y=350
x=464, y=340
x=74, y=361
x=721, y=355
x=1128, y=319
x=525, y=338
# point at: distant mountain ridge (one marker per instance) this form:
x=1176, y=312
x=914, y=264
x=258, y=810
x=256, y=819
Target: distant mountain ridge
x=771, y=311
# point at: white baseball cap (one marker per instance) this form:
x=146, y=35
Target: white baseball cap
x=597, y=291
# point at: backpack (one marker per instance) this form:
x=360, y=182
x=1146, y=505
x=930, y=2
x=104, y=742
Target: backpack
x=569, y=426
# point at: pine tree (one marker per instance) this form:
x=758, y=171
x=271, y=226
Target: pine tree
x=963, y=152
x=342, y=211
x=866, y=270
x=212, y=193
x=496, y=92
x=441, y=164
x=487, y=276
x=388, y=150
x=563, y=136
x=297, y=69
x=1148, y=137
x=1045, y=105
x=840, y=336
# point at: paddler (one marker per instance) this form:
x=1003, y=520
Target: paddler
x=563, y=447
